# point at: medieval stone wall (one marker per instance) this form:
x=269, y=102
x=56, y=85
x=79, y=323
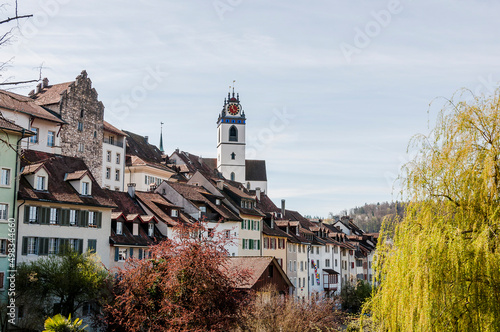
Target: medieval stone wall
x=79, y=104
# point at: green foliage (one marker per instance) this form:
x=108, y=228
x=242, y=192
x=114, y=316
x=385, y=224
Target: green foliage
x=59, y=323
x=440, y=271
x=352, y=296
x=370, y=217
x=59, y=284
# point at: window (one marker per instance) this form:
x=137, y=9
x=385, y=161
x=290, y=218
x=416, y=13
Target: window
x=75, y=244
x=108, y=172
x=232, y=176
x=3, y=246
x=233, y=134
x=217, y=201
x=4, y=211
x=5, y=177
x=80, y=147
x=51, y=138
x=135, y=229
x=117, y=175
x=32, y=246
x=299, y=283
x=108, y=156
x=40, y=183
x=53, y=216
x=327, y=248
x=312, y=279
x=34, y=138
x=302, y=266
x=122, y=254
x=2, y=278
x=85, y=188
x=352, y=265
x=92, y=219
x=336, y=250
x=327, y=263
x=119, y=230
x=336, y=262
x=53, y=246
x=203, y=209
x=295, y=265
x=151, y=229
x=80, y=126
x=33, y=214
x=227, y=234
x=111, y=140
x=72, y=217
x=118, y=158
x=174, y=213
x=317, y=250
x=233, y=156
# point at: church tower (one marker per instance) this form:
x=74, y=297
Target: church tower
x=231, y=139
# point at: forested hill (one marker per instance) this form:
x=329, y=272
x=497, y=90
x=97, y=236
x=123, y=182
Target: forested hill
x=370, y=216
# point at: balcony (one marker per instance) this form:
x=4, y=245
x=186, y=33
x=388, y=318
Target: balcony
x=113, y=142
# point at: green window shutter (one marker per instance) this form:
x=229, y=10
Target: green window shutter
x=140, y=253
x=243, y=224
x=131, y=252
x=116, y=254
x=99, y=219
x=84, y=219
x=64, y=246
x=92, y=245
x=64, y=220
x=258, y=244
x=42, y=246
x=26, y=214
x=25, y=246
x=80, y=246
x=42, y=213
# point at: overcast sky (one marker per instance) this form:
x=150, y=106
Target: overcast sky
x=332, y=90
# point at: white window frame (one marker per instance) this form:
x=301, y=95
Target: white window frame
x=92, y=219
x=51, y=138
x=108, y=156
x=53, y=216
x=33, y=214
x=119, y=228
x=122, y=254
x=174, y=213
x=118, y=158
x=108, y=172
x=40, y=182
x=34, y=138
x=4, y=211
x=5, y=177
x=72, y=217
x=151, y=229
x=117, y=175
x=32, y=246
x=85, y=188
x=53, y=246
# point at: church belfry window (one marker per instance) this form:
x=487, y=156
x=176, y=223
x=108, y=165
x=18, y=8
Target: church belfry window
x=233, y=156
x=233, y=134
x=232, y=176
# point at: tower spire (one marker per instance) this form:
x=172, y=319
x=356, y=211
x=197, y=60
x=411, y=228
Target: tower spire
x=161, y=137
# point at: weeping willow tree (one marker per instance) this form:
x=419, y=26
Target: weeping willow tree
x=439, y=268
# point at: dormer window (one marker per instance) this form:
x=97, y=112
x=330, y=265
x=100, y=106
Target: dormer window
x=203, y=209
x=151, y=229
x=174, y=213
x=135, y=229
x=119, y=230
x=217, y=201
x=40, y=183
x=85, y=188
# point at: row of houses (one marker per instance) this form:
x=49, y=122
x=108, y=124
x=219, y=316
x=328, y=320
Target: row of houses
x=69, y=178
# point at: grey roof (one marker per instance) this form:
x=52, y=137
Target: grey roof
x=255, y=170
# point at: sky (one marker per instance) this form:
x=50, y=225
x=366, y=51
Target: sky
x=332, y=90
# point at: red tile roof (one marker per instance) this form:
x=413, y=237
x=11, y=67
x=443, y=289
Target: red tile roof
x=112, y=129
x=26, y=105
x=51, y=94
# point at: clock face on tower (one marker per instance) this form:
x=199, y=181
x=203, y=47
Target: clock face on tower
x=233, y=109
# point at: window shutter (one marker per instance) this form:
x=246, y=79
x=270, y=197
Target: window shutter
x=25, y=246
x=131, y=252
x=64, y=246
x=243, y=224
x=64, y=220
x=99, y=219
x=44, y=215
x=140, y=253
x=41, y=246
x=258, y=244
x=116, y=254
x=84, y=218
x=80, y=246
x=26, y=215
x=91, y=245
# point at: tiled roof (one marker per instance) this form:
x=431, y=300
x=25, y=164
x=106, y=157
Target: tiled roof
x=124, y=203
x=51, y=94
x=265, y=204
x=195, y=163
x=112, y=129
x=255, y=170
x=59, y=190
x=274, y=231
x=11, y=126
x=154, y=203
x=30, y=169
x=256, y=266
x=137, y=145
x=77, y=175
x=26, y=105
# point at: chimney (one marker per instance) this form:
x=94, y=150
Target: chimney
x=45, y=82
x=131, y=190
x=31, y=93
x=257, y=193
x=146, y=138
x=283, y=208
x=38, y=87
x=220, y=185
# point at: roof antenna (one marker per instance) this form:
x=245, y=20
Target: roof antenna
x=233, y=87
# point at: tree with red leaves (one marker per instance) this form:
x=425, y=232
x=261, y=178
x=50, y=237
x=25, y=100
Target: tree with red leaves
x=184, y=285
